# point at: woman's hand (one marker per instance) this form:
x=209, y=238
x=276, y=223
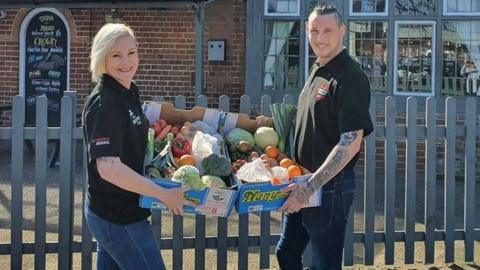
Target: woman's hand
x=112, y=169
x=174, y=199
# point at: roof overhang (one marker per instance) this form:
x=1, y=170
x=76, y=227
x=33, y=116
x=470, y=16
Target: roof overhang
x=100, y=4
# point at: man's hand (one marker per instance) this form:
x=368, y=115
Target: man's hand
x=300, y=193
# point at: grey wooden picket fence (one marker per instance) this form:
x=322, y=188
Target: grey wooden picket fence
x=359, y=242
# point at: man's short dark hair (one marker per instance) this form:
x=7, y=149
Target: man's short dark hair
x=327, y=8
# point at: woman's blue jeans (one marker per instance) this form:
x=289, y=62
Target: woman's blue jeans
x=124, y=247
x=323, y=226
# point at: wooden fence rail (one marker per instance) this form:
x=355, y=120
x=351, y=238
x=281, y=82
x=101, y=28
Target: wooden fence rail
x=363, y=226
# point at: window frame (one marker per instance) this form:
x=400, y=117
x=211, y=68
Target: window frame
x=457, y=13
x=364, y=14
x=268, y=14
x=433, y=79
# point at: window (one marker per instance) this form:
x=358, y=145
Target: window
x=416, y=7
x=368, y=45
x=393, y=41
x=461, y=7
x=368, y=7
x=414, y=60
x=282, y=7
x=461, y=58
x=281, y=63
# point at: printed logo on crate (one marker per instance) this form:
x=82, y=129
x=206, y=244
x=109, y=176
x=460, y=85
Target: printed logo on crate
x=210, y=201
x=260, y=197
x=264, y=196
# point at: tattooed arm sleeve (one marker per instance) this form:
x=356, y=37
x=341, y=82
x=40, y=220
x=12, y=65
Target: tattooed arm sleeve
x=347, y=147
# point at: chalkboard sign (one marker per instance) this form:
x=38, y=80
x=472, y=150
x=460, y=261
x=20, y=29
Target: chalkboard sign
x=45, y=61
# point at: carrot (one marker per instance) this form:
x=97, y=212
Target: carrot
x=163, y=133
x=162, y=123
x=174, y=130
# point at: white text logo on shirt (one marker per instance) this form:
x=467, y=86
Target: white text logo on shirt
x=135, y=118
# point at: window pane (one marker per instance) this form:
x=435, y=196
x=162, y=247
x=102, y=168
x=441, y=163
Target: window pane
x=463, y=6
x=281, y=55
x=414, y=58
x=282, y=6
x=312, y=3
x=368, y=6
x=461, y=58
x=368, y=45
x=416, y=7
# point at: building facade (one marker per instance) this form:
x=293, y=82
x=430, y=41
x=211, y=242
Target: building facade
x=407, y=47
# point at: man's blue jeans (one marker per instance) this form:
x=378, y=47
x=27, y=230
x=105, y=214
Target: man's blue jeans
x=323, y=226
x=125, y=247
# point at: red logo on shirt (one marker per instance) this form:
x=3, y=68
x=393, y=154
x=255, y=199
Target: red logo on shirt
x=323, y=90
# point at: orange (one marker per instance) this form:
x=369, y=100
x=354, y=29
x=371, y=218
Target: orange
x=272, y=151
x=276, y=181
x=186, y=160
x=293, y=171
x=286, y=162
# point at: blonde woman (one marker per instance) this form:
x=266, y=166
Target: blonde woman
x=115, y=130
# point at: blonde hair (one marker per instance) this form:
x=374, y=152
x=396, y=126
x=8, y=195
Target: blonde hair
x=102, y=43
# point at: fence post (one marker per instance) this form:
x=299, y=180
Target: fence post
x=411, y=180
x=18, y=132
x=66, y=188
x=430, y=179
x=369, y=189
x=390, y=179
x=40, y=180
x=470, y=161
x=449, y=182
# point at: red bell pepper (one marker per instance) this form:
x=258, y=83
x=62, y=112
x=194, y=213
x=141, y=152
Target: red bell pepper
x=181, y=147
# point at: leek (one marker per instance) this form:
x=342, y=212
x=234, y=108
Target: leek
x=283, y=116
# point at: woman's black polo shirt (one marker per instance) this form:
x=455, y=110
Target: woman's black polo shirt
x=334, y=100
x=114, y=125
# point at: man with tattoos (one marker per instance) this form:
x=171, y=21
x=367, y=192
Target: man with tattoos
x=331, y=121
x=115, y=130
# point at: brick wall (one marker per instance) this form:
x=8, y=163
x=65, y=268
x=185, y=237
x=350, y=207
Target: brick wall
x=166, y=47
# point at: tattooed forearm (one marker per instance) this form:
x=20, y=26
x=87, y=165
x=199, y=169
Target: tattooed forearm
x=347, y=138
x=334, y=165
x=342, y=153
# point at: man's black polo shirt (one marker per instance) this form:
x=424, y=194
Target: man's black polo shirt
x=334, y=100
x=114, y=125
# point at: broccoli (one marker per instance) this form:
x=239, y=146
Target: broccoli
x=217, y=165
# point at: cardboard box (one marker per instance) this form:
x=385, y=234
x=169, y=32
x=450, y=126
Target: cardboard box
x=263, y=196
x=210, y=201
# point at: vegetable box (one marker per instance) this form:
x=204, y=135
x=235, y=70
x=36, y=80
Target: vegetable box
x=264, y=196
x=210, y=201
x=214, y=201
